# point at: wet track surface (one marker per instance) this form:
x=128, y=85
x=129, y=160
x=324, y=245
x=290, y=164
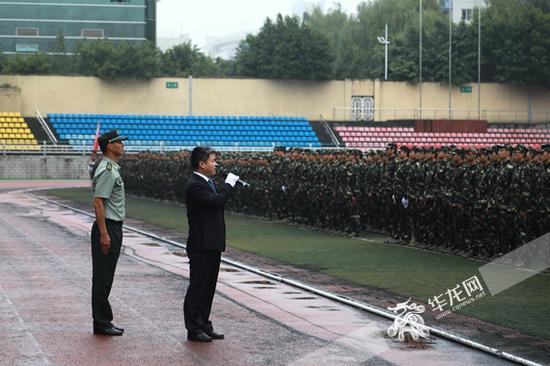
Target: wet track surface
x=45, y=311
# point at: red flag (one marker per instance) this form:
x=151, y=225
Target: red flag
x=96, y=143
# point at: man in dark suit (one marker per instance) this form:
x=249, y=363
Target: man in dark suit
x=205, y=242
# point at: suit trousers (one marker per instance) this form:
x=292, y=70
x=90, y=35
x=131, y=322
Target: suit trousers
x=204, y=266
x=103, y=271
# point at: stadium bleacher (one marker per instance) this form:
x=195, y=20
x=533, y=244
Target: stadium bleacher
x=153, y=131
x=378, y=137
x=15, y=133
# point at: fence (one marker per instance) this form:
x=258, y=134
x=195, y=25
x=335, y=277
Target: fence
x=84, y=150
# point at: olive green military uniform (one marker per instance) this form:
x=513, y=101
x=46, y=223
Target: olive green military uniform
x=107, y=184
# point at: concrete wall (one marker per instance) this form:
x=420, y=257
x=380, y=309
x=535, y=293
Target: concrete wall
x=393, y=100
x=40, y=167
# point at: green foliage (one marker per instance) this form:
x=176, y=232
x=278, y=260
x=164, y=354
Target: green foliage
x=285, y=49
x=28, y=64
x=60, y=43
x=111, y=61
x=515, y=41
x=63, y=64
x=515, y=48
x=517, y=38
x=336, y=26
x=186, y=59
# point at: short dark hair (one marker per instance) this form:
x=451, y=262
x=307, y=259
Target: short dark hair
x=199, y=154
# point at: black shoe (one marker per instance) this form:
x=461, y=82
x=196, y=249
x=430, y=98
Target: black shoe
x=198, y=337
x=110, y=331
x=117, y=328
x=214, y=335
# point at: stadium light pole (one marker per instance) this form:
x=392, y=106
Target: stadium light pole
x=420, y=62
x=385, y=42
x=479, y=60
x=450, y=50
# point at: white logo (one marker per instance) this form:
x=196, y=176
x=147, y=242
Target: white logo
x=409, y=321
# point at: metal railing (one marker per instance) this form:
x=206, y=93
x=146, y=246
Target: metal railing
x=329, y=131
x=49, y=149
x=45, y=127
x=491, y=115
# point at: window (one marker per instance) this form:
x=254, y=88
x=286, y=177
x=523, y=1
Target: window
x=26, y=32
x=26, y=47
x=362, y=108
x=92, y=33
x=467, y=14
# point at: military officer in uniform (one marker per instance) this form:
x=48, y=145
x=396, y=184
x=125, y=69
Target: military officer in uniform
x=109, y=206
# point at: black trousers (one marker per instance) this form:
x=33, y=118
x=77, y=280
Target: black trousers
x=104, y=267
x=204, y=266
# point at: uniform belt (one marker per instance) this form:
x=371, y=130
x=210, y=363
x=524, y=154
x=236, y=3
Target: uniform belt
x=114, y=221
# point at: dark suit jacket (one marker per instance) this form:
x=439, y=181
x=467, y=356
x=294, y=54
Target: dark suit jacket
x=205, y=211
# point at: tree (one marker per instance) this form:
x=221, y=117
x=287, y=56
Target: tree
x=60, y=43
x=63, y=64
x=139, y=61
x=285, y=49
x=28, y=64
x=517, y=36
x=337, y=27
x=110, y=61
x=186, y=59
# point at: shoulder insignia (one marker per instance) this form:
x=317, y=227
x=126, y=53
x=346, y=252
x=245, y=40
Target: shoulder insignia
x=109, y=166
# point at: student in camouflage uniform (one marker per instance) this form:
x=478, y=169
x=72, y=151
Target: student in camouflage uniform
x=474, y=202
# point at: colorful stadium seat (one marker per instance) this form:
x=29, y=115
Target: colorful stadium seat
x=15, y=133
x=366, y=138
x=153, y=132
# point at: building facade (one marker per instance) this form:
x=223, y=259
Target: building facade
x=57, y=26
x=463, y=10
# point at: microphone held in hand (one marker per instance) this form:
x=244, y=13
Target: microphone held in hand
x=232, y=178
x=243, y=183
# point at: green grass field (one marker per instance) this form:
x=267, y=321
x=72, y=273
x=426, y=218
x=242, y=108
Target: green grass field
x=401, y=270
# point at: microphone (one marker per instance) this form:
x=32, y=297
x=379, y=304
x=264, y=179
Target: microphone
x=243, y=183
